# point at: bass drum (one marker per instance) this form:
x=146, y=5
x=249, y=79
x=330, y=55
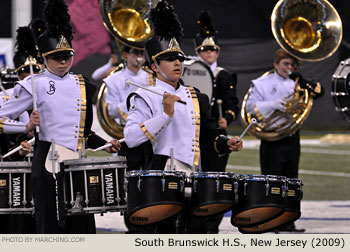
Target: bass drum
x=197, y=74
x=341, y=88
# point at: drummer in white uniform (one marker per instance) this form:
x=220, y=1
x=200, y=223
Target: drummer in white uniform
x=171, y=126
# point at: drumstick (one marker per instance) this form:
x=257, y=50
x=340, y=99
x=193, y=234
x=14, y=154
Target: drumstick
x=219, y=102
x=2, y=88
x=31, y=141
x=246, y=129
x=35, y=107
x=107, y=145
x=155, y=92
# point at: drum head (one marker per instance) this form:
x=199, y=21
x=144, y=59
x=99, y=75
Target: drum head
x=199, y=75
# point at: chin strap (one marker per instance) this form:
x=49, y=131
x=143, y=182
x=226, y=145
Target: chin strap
x=47, y=66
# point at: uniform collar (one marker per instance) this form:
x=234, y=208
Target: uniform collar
x=279, y=77
x=132, y=73
x=213, y=66
x=166, y=85
x=52, y=75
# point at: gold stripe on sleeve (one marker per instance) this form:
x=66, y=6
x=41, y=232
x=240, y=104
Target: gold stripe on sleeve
x=2, y=122
x=82, y=110
x=198, y=125
x=146, y=132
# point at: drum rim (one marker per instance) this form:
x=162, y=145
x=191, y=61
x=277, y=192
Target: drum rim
x=213, y=174
x=154, y=173
x=294, y=181
x=15, y=164
x=251, y=177
x=94, y=160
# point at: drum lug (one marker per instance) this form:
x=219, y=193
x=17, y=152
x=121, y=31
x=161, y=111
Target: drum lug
x=235, y=190
x=195, y=184
x=182, y=185
x=245, y=188
x=267, y=188
x=163, y=184
x=126, y=185
x=285, y=189
x=139, y=184
x=217, y=185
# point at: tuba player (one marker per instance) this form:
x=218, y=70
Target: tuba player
x=270, y=93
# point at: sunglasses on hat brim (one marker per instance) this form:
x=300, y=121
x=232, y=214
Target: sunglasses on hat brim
x=60, y=56
x=172, y=57
x=208, y=48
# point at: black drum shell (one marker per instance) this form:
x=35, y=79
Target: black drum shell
x=256, y=199
x=151, y=193
x=292, y=210
x=205, y=194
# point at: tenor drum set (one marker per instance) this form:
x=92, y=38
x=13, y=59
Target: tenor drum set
x=258, y=203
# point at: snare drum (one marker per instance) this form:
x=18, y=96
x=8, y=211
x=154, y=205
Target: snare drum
x=341, y=88
x=94, y=185
x=261, y=198
x=15, y=188
x=292, y=209
x=154, y=195
x=199, y=75
x=213, y=192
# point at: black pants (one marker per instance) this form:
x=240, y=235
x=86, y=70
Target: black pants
x=281, y=157
x=44, y=194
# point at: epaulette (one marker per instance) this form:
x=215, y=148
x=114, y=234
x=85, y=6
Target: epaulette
x=151, y=75
x=118, y=68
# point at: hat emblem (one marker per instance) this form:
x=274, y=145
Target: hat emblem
x=63, y=43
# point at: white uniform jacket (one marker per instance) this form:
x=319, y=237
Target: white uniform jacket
x=147, y=121
x=265, y=90
x=61, y=105
x=118, y=90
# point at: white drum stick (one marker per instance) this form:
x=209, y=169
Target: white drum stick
x=2, y=88
x=31, y=141
x=155, y=92
x=219, y=102
x=107, y=145
x=246, y=129
x=35, y=107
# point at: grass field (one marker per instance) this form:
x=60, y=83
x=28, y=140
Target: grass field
x=324, y=169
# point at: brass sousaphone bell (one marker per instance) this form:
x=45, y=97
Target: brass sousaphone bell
x=127, y=21
x=310, y=30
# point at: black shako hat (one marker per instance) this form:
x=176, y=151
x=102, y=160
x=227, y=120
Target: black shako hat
x=58, y=35
x=167, y=32
x=206, y=37
x=26, y=51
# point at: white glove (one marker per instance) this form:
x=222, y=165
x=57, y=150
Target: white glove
x=279, y=104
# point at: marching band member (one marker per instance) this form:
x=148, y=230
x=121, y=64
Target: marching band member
x=163, y=121
x=117, y=87
x=225, y=92
x=269, y=93
x=117, y=92
x=64, y=115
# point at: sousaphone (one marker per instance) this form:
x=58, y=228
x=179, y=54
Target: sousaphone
x=127, y=21
x=310, y=30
